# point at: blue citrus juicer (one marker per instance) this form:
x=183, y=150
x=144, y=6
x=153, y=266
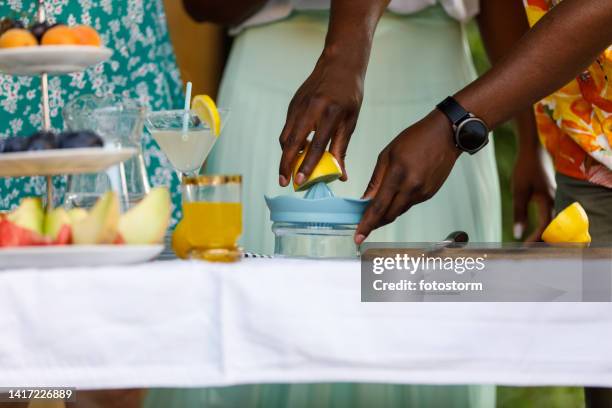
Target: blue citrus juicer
x=319, y=225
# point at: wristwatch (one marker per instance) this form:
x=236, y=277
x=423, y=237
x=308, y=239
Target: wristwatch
x=471, y=133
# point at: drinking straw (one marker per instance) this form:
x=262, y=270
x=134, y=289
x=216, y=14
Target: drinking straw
x=187, y=108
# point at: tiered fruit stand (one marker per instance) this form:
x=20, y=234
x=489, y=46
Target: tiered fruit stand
x=44, y=61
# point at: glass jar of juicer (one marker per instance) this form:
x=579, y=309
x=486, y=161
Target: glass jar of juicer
x=317, y=226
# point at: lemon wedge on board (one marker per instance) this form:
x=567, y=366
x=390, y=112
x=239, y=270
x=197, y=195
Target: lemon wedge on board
x=570, y=226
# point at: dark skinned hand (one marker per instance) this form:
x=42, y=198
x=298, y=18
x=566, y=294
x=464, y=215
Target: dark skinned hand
x=414, y=166
x=531, y=184
x=328, y=103
x=410, y=170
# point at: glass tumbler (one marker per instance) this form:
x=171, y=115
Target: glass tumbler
x=212, y=215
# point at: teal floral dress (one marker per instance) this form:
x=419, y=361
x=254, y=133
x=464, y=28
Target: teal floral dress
x=143, y=67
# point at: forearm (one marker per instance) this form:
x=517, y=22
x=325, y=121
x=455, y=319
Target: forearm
x=226, y=12
x=510, y=15
x=329, y=101
x=557, y=49
x=351, y=31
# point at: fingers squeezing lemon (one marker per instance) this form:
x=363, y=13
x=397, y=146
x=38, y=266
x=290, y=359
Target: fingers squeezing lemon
x=327, y=170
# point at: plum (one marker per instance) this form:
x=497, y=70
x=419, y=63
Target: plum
x=83, y=138
x=39, y=29
x=15, y=144
x=42, y=140
x=8, y=23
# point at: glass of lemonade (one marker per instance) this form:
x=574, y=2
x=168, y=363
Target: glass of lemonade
x=212, y=215
x=188, y=150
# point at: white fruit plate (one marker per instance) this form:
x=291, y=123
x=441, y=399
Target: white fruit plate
x=68, y=256
x=62, y=161
x=52, y=59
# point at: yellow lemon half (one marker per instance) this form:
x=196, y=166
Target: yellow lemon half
x=180, y=245
x=207, y=111
x=569, y=226
x=327, y=170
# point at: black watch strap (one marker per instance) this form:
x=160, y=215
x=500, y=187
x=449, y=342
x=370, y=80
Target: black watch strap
x=453, y=110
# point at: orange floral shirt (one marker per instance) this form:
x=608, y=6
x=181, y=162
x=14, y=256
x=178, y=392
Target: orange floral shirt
x=575, y=123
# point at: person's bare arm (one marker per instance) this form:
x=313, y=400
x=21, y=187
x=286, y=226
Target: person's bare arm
x=558, y=48
x=529, y=180
x=226, y=12
x=330, y=99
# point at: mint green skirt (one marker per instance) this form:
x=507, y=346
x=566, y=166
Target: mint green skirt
x=416, y=61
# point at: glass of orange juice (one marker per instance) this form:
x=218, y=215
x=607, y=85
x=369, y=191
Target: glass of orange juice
x=212, y=216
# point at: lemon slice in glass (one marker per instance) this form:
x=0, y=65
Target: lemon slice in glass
x=569, y=226
x=207, y=111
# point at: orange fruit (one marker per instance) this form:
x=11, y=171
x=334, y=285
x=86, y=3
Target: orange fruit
x=17, y=37
x=87, y=35
x=60, y=35
x=180, y=244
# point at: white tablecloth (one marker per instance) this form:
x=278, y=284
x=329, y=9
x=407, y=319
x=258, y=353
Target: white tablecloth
x=187, y=324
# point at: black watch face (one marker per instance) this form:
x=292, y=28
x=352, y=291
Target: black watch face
x=472, y=135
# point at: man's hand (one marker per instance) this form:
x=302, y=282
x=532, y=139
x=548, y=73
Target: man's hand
x=410, y=170
x=531, y=184
x=328, y=103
